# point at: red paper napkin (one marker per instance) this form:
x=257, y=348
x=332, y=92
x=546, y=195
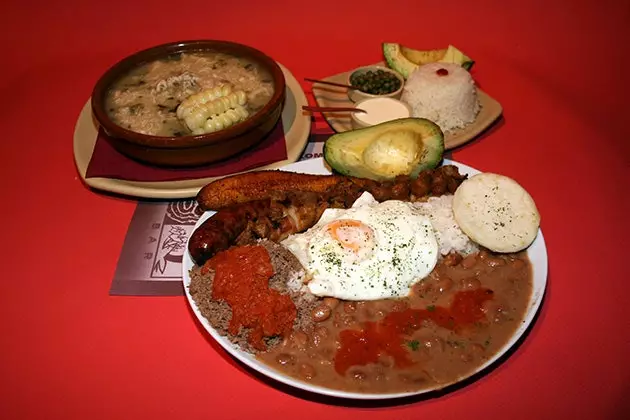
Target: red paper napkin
x=106, y=162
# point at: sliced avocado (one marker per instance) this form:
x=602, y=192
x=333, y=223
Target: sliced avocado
x=404, y=146
x=397, y=61
x=422, y=57
x=453, y=55
x=405, y=60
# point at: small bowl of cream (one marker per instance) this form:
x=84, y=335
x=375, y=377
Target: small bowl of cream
x=379, y=110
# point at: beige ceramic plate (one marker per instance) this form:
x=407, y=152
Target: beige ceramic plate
x=333, y=96
x=297, y=128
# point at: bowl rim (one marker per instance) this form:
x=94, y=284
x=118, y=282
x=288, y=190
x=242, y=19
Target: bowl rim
x=377, y=67
x=355, y=116
x=127, y=63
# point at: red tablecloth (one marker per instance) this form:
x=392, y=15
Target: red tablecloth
x=69, y=350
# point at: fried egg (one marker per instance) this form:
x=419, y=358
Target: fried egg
x=370, y=251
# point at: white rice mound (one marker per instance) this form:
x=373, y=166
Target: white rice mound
x=450, y=101
x=449, y=236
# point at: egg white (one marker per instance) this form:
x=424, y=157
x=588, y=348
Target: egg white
x=401, y=251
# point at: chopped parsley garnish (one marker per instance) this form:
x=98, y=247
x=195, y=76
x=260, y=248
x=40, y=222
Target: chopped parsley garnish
x=413, y=344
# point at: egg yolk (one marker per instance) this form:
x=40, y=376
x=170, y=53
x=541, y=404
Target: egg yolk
x=352, y=234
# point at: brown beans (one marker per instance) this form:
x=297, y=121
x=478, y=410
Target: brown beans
x=380, y=377
x=349, y=307
x=452, y=259
x=322, y=331
x=318, y=338
x=466, y=357
x=361, y=304
x=285, y=359
x=433, y=345
x=321, y=313
x=306, y=371
x=358, y=375
x=469, y=261
x=472, y=352
x=425, y=289
x=477, y=350
x=444, y=285
x=494, y=261
x=327, y=356
x=367, y=312
x=350, y=321
x=299, y=339
x=405, y=377
x=412, y=379
x=513, y=293
x=399, y=306
x=470, y=283
x=438, y=355
x=501, y=314
x=331, y=302
x=386, y=361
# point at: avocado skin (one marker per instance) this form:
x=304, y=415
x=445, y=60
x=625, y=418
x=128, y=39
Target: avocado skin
x=346, y=152
x=397, y=61
x=396, y=58
x=468, y=65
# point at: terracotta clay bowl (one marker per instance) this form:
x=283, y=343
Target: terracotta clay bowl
x=191, y=150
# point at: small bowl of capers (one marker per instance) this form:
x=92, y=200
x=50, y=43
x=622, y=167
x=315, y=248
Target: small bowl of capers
x=375, y=82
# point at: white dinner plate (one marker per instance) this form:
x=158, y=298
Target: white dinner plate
x=537, y=254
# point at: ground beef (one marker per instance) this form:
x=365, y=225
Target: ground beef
x=287, y=269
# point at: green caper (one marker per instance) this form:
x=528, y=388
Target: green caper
x=375, y=82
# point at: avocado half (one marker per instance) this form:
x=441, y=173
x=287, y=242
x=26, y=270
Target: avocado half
x=405, y=60
x=381, y=152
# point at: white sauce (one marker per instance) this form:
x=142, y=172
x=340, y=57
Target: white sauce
x=380, y=110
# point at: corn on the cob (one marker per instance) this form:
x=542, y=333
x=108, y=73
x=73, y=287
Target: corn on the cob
x=198, y=116
x=189, y=104
x=226, y=119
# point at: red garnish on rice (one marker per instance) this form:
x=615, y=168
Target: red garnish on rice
x=441, y=72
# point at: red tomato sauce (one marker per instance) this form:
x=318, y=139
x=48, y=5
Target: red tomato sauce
x=386, y=337
x=242, y=280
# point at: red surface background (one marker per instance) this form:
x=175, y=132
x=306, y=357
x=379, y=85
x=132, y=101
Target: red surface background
x=69, y=350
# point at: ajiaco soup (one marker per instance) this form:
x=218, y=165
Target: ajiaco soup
x=189, y=93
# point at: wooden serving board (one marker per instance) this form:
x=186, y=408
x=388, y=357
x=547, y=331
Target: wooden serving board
x=340, y=122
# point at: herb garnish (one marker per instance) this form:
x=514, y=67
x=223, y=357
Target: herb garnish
x=413, y=344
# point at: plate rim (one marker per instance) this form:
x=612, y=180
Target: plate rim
x=84, y=140
x=451, y=140
x=540, y=269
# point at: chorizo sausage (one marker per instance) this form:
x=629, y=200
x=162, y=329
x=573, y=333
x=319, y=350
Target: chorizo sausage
x=221, y=230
